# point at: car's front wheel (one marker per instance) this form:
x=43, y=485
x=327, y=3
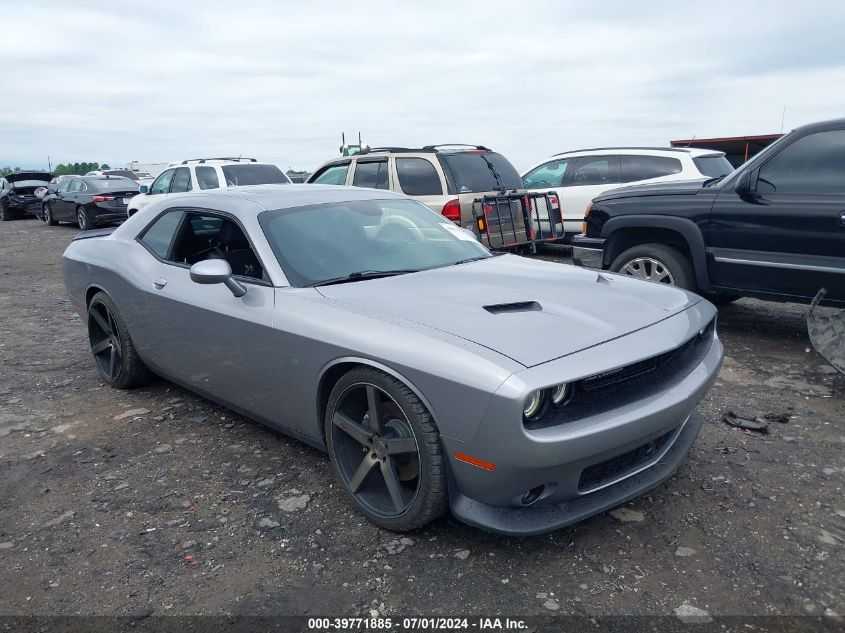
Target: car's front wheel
x=47, y=215
x=115, y=355
x=386, y=451
x=658, y=263
x=5, y=214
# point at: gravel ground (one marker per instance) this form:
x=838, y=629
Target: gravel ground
x=157, y=501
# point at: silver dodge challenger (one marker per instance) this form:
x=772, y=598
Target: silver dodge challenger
x=524, y=395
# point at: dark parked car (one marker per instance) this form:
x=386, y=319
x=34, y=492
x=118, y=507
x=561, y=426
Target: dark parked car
x=17, y=193
x=772, y=229
x=89, y=201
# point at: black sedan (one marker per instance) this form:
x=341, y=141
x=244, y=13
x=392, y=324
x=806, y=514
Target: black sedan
x=89, y=201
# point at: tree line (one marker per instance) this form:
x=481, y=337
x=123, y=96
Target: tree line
x=62, y=169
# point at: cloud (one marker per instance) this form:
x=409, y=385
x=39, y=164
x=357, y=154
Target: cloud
x=160, y=81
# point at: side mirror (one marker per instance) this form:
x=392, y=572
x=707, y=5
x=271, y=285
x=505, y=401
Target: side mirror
x=144, y=189
x=743, y=185
x=216, y=271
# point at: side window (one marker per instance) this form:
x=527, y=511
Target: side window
x=207, y=177
x=812, y=165
x=162, y=183
x=208, y=236
x=181, y=181
x=333, y=175
x=63, y=185
x=159, y=235
x=371, y=174
x=644, y=167
x=547, y=175
x=418, y=177
x=596, y=170
x=75, y=185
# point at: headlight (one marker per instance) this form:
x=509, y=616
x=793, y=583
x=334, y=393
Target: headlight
x=533, y=404
x=562, y=394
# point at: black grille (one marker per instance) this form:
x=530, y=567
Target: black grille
x=617, y=387
x=621, y=465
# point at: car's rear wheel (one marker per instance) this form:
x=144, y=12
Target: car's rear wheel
x=83, y=219
x=658, y=263
x=115, y=355
x=385, y=449
x=47, y=214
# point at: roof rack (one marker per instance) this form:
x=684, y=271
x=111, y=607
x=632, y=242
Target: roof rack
x=606, y=149
x=435, y=147
x=396, y=149
x=232, y=158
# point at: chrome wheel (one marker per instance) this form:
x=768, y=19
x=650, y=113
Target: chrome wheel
x=105, y=341
x=649, y=269
x=81, y=219
x=375, y=450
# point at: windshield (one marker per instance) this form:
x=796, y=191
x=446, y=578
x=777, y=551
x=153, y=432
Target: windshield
x=322, y=242
x=713, y=166
x=251, y=174
x=481, y=171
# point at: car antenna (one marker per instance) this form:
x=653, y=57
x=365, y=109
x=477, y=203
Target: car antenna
x=691, y=140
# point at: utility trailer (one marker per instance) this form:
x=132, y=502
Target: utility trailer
x=518, y=221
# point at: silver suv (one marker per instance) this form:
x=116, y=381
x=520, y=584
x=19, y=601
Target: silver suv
x=446, y=178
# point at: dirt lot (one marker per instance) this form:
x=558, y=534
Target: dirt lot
x=156, y=501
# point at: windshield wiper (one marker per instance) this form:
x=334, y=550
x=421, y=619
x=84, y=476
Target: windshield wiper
x=499, y=181
x=360, y=276
x=471, y=259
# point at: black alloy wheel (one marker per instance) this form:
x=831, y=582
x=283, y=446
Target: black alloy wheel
x=82, y=219
x=113, y=350
x=386, y=450
x=47, y=215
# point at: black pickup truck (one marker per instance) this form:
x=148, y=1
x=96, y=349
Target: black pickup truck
x=772, y=229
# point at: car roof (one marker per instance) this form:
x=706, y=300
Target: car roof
x=274, y=197
x=692, y=151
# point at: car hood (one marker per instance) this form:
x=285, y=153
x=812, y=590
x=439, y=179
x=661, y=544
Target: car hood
x=672, y=188
x=18, y=176
x=528, y=310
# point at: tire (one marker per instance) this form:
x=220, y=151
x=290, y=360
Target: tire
x=83, y=219
x=718, y=299
x=47, y=212
x=656, y=262
x=114, y=354
x=403, y=422
x=5, y=214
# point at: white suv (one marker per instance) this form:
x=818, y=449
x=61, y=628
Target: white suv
x=198, y=174
x=579, y=176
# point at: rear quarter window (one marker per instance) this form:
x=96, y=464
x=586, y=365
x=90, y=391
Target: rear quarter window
x=252, y=174
x=713, y=166
x=644, y=167
x=159, y=235
x=418, y=177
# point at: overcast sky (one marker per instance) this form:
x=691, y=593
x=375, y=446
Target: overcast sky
x=161, y=81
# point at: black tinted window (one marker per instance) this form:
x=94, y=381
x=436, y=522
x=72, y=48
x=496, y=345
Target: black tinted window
x=814, y=164
x=596, y=170
x=481, y=171
x=372, y=175
x=207, y=178
x=713, y=166
x=250, y=174
x=160, y=234
x=645, y=167
x=418, y=177
x=205, y=236
x=181, y=181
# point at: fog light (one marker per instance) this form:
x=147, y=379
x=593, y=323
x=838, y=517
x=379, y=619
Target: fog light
x=532, y=495
x=562, y=394
x=533, y=404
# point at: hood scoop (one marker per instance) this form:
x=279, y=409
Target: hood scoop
x=518, y=306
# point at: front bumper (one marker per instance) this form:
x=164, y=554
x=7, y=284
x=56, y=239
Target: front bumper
x=590, y=464
x=588, y=251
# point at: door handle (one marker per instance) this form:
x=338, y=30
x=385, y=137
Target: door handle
x=160, y=283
